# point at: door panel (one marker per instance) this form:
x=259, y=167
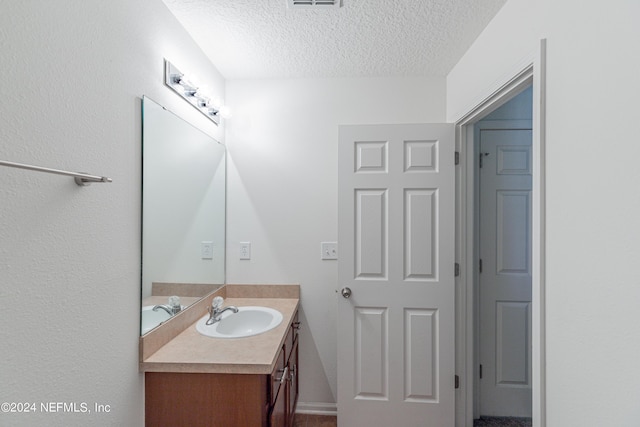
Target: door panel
x=420, y=239
x=371, y=358
x=512, y=320
x=396, y=331
x=421, y=350
x=371, y=234
x=513, y=222
x=505, y=280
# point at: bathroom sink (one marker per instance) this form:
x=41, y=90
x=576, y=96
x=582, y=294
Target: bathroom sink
x=247, y=322
x=151, y=319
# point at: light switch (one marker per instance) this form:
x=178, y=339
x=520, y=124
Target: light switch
x=206, y=250
x=245, y=250
x=329, y=250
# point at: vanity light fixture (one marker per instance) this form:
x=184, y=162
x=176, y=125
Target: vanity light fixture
x=194, y=95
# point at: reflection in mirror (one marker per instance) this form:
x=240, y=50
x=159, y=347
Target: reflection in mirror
x=183, y=213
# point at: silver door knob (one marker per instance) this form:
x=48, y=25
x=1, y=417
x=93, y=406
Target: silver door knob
x=346, y=292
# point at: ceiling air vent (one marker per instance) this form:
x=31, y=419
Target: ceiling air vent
x=313, y=4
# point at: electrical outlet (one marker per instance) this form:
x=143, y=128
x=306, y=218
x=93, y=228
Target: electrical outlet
x=329, y=250
x=245, y=250
x=206, y=250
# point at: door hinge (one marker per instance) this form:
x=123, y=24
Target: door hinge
x=480, y=265
x=480, y=371
x=456, y=381
x=457, y=158
x=456, y=269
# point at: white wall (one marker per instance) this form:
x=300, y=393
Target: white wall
x=73, y=73
x=282, y=190
x=502, y=48
x=593, y=289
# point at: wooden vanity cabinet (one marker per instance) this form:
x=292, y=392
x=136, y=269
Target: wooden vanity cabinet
x=223, y=400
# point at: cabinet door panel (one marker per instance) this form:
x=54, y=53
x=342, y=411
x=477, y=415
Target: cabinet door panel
x=278, y=417
x=277, y=372
x=294, y=375
x=215, y=400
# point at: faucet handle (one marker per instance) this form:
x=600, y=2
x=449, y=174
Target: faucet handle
x=174, y=304
x=217, y=302
x=174, y=301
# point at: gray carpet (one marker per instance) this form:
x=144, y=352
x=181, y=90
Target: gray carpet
x=502, y=422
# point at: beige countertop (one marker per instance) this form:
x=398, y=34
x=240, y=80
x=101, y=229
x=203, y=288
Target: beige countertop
x=192, y=352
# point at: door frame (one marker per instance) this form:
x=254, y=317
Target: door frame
x=530, y=72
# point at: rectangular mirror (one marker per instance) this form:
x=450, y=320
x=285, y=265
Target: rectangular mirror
x=183, y=212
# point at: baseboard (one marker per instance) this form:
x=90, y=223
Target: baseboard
x=317, y=408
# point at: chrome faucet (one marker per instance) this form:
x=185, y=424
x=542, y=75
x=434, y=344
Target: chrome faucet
x=172, y=308
x=215, y=311
x=164, y=307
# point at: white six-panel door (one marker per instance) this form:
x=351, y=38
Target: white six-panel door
x=505, y=280
x=396, y=233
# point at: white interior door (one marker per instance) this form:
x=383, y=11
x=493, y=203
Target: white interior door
x=505, y=277
x=396, y=234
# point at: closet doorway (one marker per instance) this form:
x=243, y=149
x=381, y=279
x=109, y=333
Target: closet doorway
x=503, y=175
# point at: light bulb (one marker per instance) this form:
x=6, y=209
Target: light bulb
x=186, y=83
x=201, y=102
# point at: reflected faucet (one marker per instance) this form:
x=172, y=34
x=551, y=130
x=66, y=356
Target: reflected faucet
x=172, y=308
x=215, y=311
x=164, y=307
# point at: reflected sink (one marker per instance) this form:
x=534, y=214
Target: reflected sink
x=247, y=322
x=151, y=319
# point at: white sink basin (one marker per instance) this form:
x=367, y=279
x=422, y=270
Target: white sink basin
x=247, y=322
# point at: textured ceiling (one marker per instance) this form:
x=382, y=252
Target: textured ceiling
x=364, y=38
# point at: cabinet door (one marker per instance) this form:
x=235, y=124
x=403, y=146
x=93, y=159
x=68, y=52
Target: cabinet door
x=278, y=370
x=293, y=383
x=279, y=410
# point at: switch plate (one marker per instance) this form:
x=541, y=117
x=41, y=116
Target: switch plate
x=245, y=250
x=329, y=250
x=206, y=250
